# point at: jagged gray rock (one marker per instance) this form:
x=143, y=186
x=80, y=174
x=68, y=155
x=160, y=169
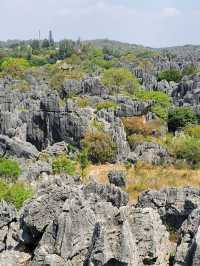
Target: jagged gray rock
x=117, y=178
x=17, y=148
x=150, y=152
x=173, y=204
x=112, y=236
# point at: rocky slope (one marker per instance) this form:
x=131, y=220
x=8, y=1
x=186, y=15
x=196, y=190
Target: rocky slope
x=68, y=223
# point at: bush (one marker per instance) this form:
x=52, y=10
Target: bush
x=139, y=125
x=180, y=117
x=83, y=160
x=38, y=60
x=15, y=193
x=120, y=80
x=83, y=102
x=14, y=67
x=106, y=105
x=193, y=131
x=63, y=165
x=57, y=76
x=161, y=99
x=9, y=169
x=187, y=148
x=170, y=75
x=135, y=139
x=190, y=70
x=100, y=146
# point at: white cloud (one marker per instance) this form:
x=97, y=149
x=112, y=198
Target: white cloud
x=171, y=12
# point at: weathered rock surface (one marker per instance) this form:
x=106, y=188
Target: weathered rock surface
x=71, y=224
x=117, y=178
x=90, y=230
x=150, y=152
x=17, y=148
x=173, y=204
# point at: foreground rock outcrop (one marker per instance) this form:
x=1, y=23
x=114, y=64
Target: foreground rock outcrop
x=68, y=223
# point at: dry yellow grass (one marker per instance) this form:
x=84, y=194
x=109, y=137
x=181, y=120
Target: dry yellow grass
x=147, y=177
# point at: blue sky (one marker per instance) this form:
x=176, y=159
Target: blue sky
x=154, y=23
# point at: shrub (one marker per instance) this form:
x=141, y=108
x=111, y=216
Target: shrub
x=57, y=76
x=83, y=160
x=120, y=80
x=100, y=146
x=106, y=105
x=14, y=67
x=193, y=131
x=180, y=117
x=170, y=75
x=38, y=60
x=83, y=102
x=139, y=125
x=135, y=139
x=63, y=165
x=9, y=169
x=187, y=148
x=162, y=101
x=15, y=193
x=190, y=70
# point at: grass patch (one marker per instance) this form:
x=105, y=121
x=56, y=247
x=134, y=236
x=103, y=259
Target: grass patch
x=147, y=177
x=15, y=193
x=9, y=169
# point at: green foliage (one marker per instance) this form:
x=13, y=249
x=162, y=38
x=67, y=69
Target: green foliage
x=135, y=139
x=99, y=125
x=14, y=66
x=187, y=148
x=180, y=117
x=170, y=75
x=57, y=76
x=160, y=111
x=83, y=160
x=9, y=169
x=74, y=60
x=63, y=165
x=106, y=105
x=66, y=48
x=37, y=60
x=120, y=80
x=190, y=70
x=15, y=193
x=82, y=102
x=100, y=146
x=161, y=99
x=193, y=131
x=157, y=96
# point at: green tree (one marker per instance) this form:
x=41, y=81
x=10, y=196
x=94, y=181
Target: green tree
x=35, y=44
x=170, y=75
x=181, y=117
x=45, y=43
x=120, y=80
